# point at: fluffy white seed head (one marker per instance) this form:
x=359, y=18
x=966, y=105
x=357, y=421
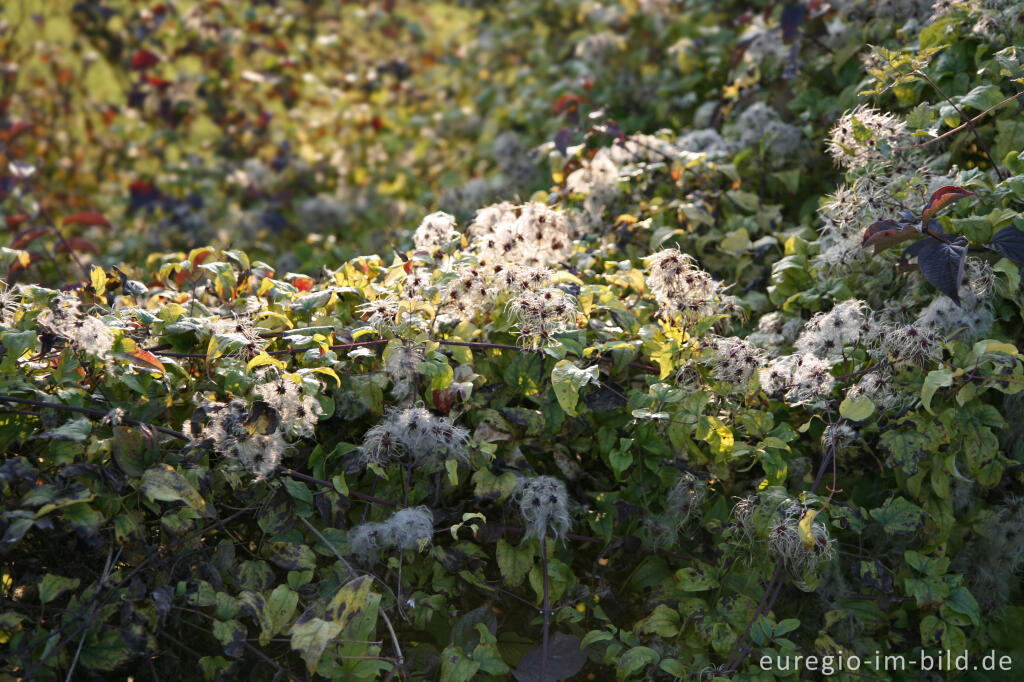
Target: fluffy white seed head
x=403, y=366
x=735, y=362
x=416, y=434
x=299, y=413
x=85, y=333
x=681, y=287
x=435, y=231
x=544, y=504
x=411, y=528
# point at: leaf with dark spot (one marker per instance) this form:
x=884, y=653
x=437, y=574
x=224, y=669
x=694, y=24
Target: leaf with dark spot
x=942, y=264
x=253, y=575
x=1009, y=242
x=292, y=557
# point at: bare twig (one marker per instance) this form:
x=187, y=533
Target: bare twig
x=967, y=122
x=960, y=127
x=92, y=413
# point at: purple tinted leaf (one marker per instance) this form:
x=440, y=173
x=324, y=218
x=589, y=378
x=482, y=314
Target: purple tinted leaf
x=562, y=140
x=792, y=17
x=942, y=264
x=565, y=659
x=1009, y=242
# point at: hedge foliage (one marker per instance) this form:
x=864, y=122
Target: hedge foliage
x=641, y=385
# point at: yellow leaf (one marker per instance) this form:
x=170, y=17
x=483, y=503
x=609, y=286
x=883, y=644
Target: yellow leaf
x=329, y=372
x=803, y=529
x=98, y=278
x=265, y=286
x=264, y=359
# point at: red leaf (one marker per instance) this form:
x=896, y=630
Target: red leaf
x=143, y=59
x=146, y=357
x=14, y=131
x=28, y=236
x=13, y=221
x=158, y=82
x=445, y=399
x=569, y=102
x=87, y=218
x=943, y=197
x=142, y=188
x=199, y=255
x=886, y=233
x=76, y=244
x=303, y=283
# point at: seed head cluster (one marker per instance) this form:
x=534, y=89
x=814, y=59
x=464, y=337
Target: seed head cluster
x=544, y=504
x=402, y=365
x=411, y=528
x=85, y=333
x=785, y=543
x=414, y=434
x=436, y=231
x=827, y=334
x=231, y=430
x=800, y=379
x=736, y=361
x=855, y=138
x=541, y=314
x=299, y=413
x=10, y=304
x=681, y=287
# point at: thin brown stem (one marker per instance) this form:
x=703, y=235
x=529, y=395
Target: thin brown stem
x=92, y=413
x=960, y=127
x=967, y=121
x=547, y=608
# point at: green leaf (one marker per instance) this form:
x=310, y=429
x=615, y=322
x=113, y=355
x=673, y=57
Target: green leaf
x=857, y=409
x=214, y=667
x=663, y=621
x=106, y=652
x=899, y=516
x=936, y=379
x=695, y=579
x=51, y=586
x=162, y=482
x=785, y=627
x=83, y=518
x=635, y=660
x=74, y=430
x=567, y=379
x=231, y=634
x=982, y=97
x=456, y=666
x=515, y=562
x=962, y=601
x=253, y=575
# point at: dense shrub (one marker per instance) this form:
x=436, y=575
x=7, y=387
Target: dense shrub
x=654, y=394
